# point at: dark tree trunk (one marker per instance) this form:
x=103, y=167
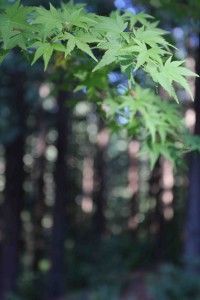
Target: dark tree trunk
x=100, y=181
x=39, y=205
x=13, y=202
x=133, y=184
x=156, y=222
x=56, y=285
x=192, y=241
x=197, y=93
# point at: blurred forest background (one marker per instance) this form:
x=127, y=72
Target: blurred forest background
x=81, y=215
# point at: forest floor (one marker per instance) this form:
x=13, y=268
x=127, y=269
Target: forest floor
x=136, y=288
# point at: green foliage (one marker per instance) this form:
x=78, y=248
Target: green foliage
x=89, y=267
x=175, y=284
x=144, y=45
x=129, y=41
x=14, y=28
x=105, y=293
x=169, y=72
x=155, y=123
x=26, y=287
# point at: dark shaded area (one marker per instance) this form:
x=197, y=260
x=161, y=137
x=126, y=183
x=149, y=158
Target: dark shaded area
x=13, y=201
x=192, y=245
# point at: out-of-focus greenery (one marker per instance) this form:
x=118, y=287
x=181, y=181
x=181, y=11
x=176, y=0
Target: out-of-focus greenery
x=175, y=283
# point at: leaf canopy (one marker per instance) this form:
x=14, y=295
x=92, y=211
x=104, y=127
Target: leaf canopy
x=118, y=37
x=131, y=42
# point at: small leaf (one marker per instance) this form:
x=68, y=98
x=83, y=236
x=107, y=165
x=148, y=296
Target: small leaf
x=108, y=58
x=47, y=56
x=40, y=51
x=70, y=46
x=59, y=47
x=85, y=48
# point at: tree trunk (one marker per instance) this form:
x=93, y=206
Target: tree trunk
x=13, y=202
x=56, y=285
x=156, y=222
x=100, y=181
x=192, y=241
x=133, y=184
x=39, y=205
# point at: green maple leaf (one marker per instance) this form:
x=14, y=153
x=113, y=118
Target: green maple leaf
x=115, y=25
x=88, y=37
x=142, y=57
x=76, y=40
x=162, y=78
x=70, y=46
x=109, y=57
x=45, y=50
x=58, y=47
x=133, y=19
x=151, y=37
x=175, y=72
x=191, y=142
x=153, y=152
x=17, y=40
x=76, y=16
x=49, y=20
x=171, y=71
x=13, y=24
x=85, y=48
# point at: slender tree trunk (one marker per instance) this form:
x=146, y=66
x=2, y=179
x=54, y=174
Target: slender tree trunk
x=133, y=184
x=13, y=202
x=103, y=8
x=192, y=241
x=56, y=284
x=100, y=181
x=39, y=206
x=157, y=221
